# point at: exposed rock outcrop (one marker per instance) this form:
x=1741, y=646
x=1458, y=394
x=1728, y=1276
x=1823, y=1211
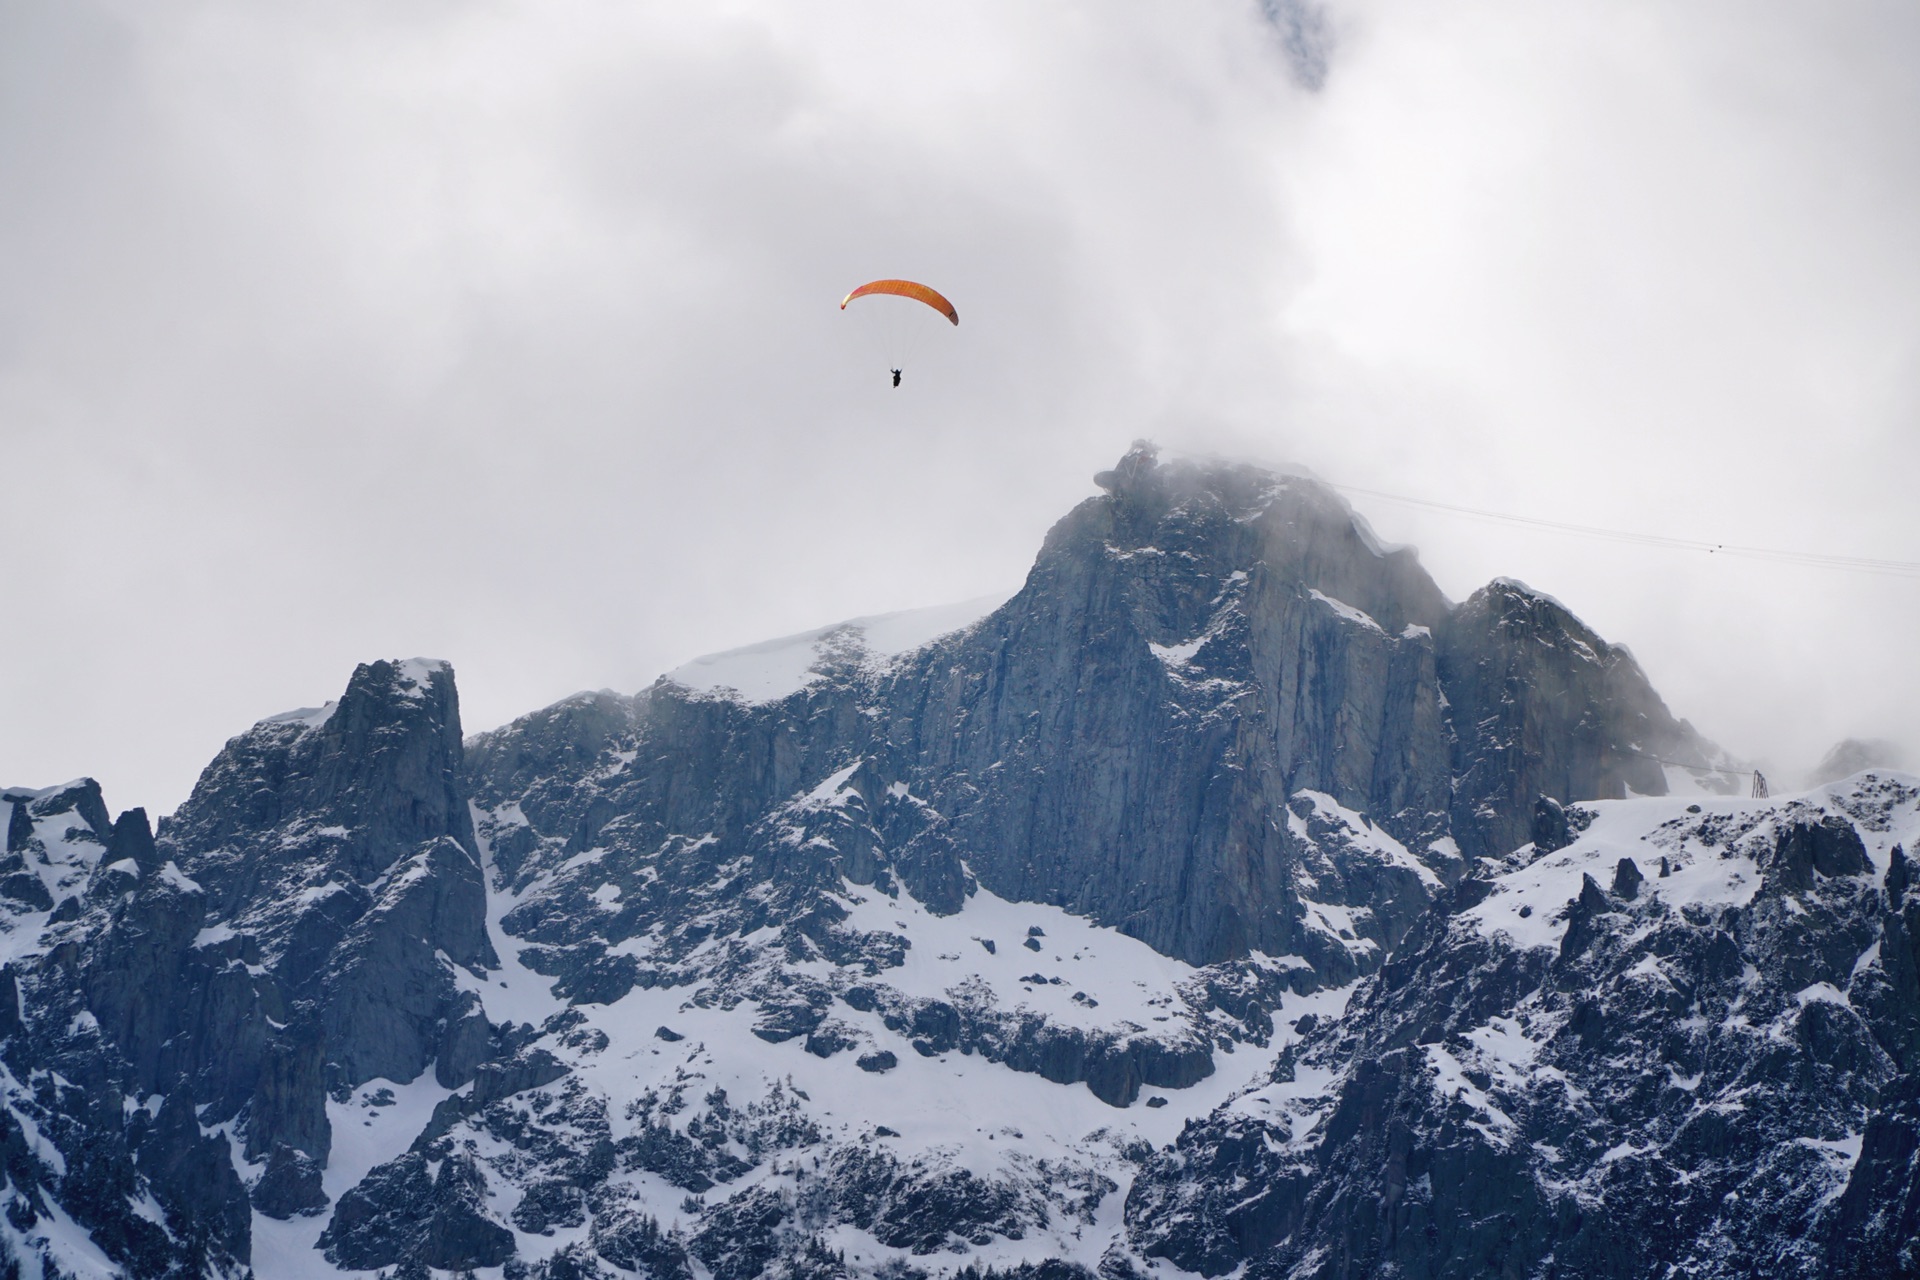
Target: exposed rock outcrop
x=342, y=891
x=1698, y=1076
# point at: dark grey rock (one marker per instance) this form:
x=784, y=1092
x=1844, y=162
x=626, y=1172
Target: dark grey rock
x=549, y=1204
x=10, y=1022
x=83, y=799
x=338, y=851
x=290, y=1185
x=1876, y=1224
x=19, y=823
x=27, y=889
x=400, y=1212
x=1583, y=918
x=1829, y=847
x=1551, y=830
x=1540, y=705
x=191, y=1174
x=132, y=839
x=778, y=1023
x=741, y=1237
x=1627, y=879
x=467, y=1042
x=288, y=1102
x=634, y=1242
x=529, y=1069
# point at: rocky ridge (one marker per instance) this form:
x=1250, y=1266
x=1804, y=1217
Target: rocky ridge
x=1151, y=920
x=1659, y=1044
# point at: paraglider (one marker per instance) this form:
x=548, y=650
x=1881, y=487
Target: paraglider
x=897, y=332
x=905, y=289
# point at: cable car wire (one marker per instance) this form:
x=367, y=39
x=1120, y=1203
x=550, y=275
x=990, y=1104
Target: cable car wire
x=1810, y=559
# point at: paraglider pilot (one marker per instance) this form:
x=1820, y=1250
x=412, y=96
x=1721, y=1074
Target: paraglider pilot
x=905, y=289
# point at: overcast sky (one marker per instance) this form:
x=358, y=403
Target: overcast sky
x=506, y=332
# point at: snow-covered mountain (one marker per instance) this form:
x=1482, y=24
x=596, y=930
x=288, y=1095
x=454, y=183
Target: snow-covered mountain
x=1226, y=900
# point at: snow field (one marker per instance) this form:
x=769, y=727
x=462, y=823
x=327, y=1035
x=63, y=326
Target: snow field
x=1645, y=829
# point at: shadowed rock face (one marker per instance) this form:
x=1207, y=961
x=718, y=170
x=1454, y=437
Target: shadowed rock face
x=1876, y=1224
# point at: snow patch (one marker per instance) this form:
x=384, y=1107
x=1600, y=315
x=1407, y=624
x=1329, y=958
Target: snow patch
x=173, y=875
x=1822, y=993
x=413, y=675
x=1528, y=905
x=1358, y=616
x=1450, y=1081
x=775, y=669
x=1362, y=836
x=1178, y=655
x=307, y=717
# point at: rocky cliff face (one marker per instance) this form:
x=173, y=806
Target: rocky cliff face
x=1196, y=906
x=1538, y=704
x=92, y=1157
x=1665, y=1045
x=303, y=924
x=1193, y=655
x=336, y=852
x=1126, y=737
x=1205, y=645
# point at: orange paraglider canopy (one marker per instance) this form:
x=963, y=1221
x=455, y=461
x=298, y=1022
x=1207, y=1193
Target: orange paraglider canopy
x=905, y=289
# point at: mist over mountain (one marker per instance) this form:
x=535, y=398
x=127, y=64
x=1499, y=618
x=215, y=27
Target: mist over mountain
x=1226, y=901
x=1850, y=755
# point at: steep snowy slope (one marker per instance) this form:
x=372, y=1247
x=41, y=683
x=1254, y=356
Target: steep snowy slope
x=760, y=1106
